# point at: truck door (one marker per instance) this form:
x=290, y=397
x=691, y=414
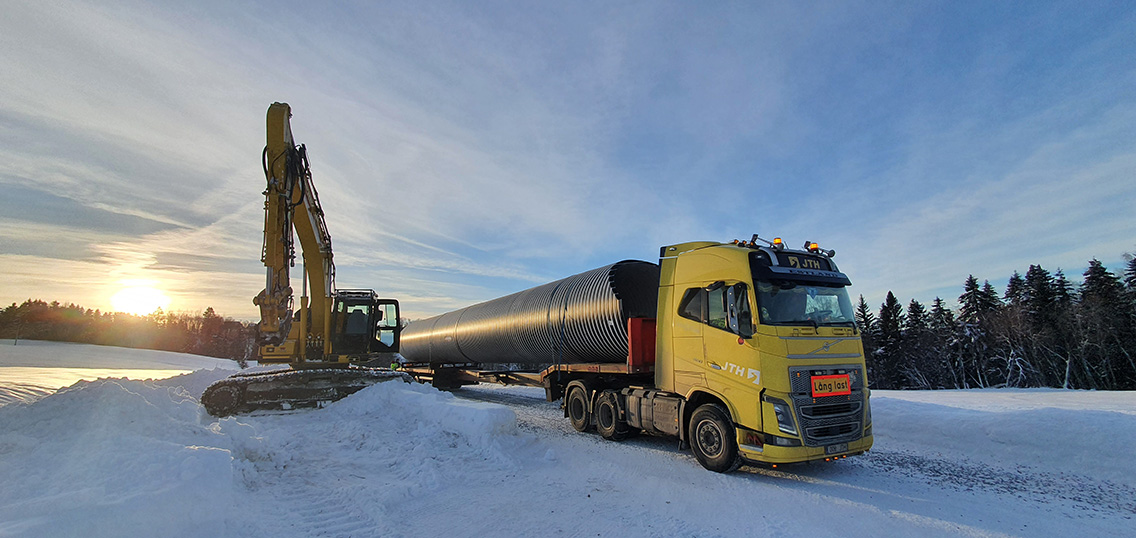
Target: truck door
x=689, y=364
x=731, y=359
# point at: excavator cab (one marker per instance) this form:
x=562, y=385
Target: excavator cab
x=363, y=323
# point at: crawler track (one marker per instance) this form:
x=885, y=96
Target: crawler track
x=290, y=389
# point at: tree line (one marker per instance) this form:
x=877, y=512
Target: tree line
x=206, y=334
x=1041, y=332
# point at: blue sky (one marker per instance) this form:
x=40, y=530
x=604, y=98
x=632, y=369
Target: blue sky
x=467, y=150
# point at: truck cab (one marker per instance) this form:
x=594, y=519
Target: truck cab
x=767, y=336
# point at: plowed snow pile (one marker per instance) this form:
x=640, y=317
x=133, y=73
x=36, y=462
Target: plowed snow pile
x=112, y=458
x=118, y=457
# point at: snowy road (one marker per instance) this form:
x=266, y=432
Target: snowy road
x=136, y=458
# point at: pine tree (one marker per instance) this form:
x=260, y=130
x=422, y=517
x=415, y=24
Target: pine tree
x=916, y=320
x=1130, y=289
x=1015, y=289
x=1130, y=273
x=943, y=329
x=917, y=364
x=1062, y=290
x=978, y=305
x=988, y=299
x=1039, y=297
x=970, y=301
x=869, y=336
x=1107, y=345
x=865, y=319
x=891, y=322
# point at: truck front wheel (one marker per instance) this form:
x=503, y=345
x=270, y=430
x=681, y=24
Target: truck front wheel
x=713, y=439
x=577, y=406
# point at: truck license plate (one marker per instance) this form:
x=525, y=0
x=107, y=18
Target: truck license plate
x=831, y=385
x=835, y=449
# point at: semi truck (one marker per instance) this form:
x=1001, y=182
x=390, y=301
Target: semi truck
x=747, y=352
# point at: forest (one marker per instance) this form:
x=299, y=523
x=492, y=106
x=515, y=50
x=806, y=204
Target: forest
x=1041, y=332
x=206, y=334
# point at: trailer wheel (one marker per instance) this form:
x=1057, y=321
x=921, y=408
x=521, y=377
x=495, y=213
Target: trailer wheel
x=577, y=406
x=713, y=439
x=608, y=423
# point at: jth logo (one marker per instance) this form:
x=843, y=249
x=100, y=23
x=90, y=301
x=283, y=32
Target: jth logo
x=803, y=263
x=744, y=373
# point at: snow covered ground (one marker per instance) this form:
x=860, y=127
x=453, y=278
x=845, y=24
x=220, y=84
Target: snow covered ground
x=119, y=457
x=31, y=369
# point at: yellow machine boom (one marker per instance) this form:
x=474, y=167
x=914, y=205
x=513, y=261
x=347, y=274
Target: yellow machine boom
x=330, y=329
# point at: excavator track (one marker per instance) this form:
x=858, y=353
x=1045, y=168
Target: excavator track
x=290, y=389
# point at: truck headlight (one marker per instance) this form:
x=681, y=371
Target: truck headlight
x=784, y=416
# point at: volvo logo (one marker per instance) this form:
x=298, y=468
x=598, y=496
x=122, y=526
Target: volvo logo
x=824, y=348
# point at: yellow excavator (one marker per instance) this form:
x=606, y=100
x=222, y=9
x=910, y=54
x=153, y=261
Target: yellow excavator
x=333, y=331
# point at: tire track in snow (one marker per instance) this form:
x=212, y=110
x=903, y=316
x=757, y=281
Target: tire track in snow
x=308, y=505
x=1023, y=482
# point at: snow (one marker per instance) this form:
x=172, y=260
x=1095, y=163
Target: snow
x=31, y=369
x=132, y=457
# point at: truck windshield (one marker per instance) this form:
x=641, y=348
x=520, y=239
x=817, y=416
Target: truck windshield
x=785, y=302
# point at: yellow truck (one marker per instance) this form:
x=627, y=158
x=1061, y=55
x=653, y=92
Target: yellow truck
x=747, y=352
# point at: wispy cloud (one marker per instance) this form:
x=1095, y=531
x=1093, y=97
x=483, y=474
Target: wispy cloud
x=464, y=151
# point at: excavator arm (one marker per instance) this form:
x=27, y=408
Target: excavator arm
x=291, y=203
x=330, y=329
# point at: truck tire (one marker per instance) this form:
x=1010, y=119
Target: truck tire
x=713, y=439
x=576, y=404
x=608, y=421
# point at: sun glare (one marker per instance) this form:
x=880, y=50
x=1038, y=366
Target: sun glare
x=139, y=300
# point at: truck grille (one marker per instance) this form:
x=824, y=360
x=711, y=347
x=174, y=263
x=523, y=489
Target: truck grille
x=830, y=432
x=828, y=419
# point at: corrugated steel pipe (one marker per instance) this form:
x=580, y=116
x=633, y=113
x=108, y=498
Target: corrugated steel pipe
x=582, y=318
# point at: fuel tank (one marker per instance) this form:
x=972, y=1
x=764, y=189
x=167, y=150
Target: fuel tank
x=582, y=318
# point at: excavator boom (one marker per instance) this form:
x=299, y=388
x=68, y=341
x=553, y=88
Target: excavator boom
x=331, y=330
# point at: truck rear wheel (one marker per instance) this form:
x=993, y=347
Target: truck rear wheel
x=713, y=439
x=577, y=406
x=608, y=423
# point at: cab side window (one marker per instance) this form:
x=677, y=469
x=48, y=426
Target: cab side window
x=693, y=304
x=716, y=314
x=719, y=306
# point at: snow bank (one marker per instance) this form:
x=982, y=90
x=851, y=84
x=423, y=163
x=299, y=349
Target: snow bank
x=1057, y=430
x=117, y=457
x=422, y=404
x=113, y=458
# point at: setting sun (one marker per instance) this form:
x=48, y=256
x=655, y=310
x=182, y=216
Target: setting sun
x=139, y=300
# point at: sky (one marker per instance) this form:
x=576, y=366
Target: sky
x=466, y=150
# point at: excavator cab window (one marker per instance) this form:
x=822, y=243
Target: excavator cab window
x=356, y=320
x=386, y=325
